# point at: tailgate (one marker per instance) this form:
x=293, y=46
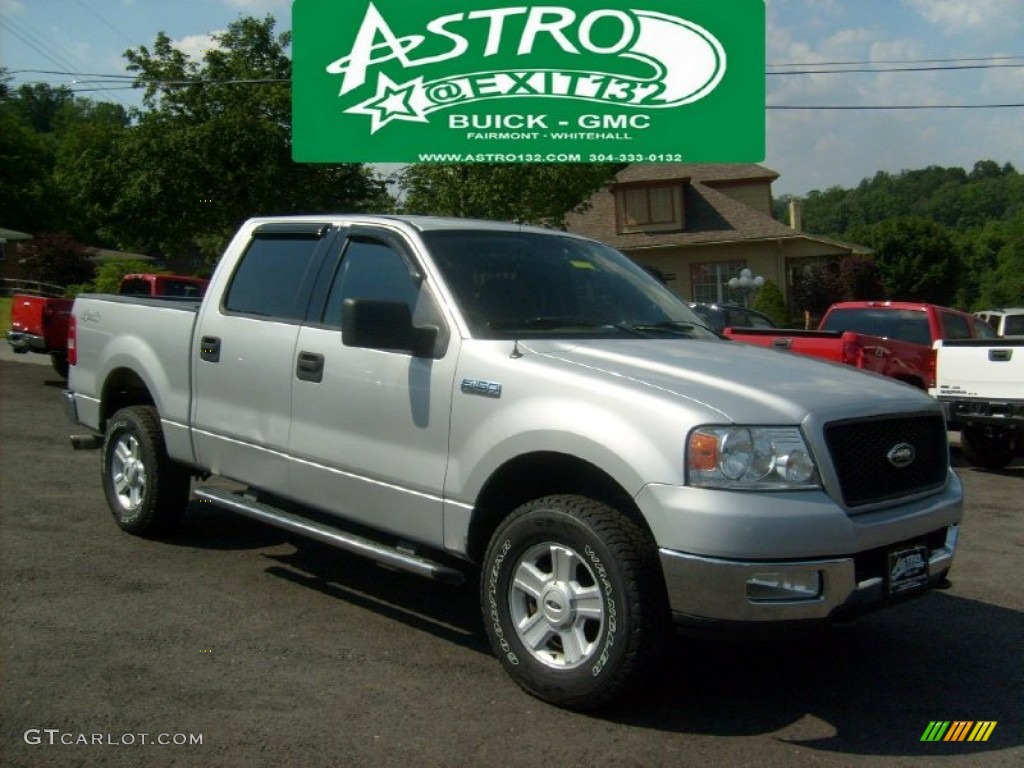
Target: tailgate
x=980, y=368
x=27, y=314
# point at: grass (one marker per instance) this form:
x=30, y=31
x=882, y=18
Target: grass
x=5, y=315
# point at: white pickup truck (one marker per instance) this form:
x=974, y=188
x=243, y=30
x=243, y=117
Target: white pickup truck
x=527, y=408
x=980, y=383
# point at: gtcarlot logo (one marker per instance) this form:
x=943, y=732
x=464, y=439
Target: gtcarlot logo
x=958, y=730
x=57, y=737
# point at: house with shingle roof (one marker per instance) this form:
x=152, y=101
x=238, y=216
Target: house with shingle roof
x=699, y=225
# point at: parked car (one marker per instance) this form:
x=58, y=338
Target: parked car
x=40, y=323
x=466, y=399
x=1005, y=322
x=980, y=384
x=893, y=338
x=722, y=316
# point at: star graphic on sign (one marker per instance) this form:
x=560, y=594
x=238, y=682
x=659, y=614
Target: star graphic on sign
x=393, y=102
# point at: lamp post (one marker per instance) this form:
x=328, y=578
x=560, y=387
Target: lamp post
x=747, y=284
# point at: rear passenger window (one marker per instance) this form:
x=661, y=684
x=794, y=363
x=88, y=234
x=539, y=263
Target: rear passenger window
x=134, y=288
x=1013, y=325
x=268, y=280
x=955, y=327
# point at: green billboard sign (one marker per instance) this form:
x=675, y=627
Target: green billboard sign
x=580, y=81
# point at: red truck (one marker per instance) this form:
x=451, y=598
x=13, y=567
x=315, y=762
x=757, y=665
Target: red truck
x=40, y=323
x=893, y=338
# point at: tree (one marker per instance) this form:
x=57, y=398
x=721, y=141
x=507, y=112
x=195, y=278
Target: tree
x=109, y=273
x=26, y=162
x=1003, y=286
x=816, y=289
x=859, y=278
x=534, y=193
x=949, y=196
x=56, y=257
x=40, y=104
x=917, y=259
x=214, y=148
x=771, y=302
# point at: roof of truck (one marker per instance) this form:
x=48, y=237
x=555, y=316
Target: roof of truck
x=421, y=223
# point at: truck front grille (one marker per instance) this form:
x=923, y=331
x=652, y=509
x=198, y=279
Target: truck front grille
x=885, y=458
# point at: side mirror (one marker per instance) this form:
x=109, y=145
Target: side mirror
x=372, y=324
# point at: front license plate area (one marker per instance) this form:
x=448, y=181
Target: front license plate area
x=908, y=569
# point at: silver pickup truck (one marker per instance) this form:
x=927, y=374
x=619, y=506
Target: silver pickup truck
x=524, y=407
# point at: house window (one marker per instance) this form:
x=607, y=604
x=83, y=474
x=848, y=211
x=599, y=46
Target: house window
x=710, y=279
x=650, y=208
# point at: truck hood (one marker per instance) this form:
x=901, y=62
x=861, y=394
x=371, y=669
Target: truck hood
x=734, y=382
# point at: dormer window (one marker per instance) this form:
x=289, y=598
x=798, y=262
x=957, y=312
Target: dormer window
x=649, y=208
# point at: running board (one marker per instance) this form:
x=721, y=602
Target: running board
x=381, y=553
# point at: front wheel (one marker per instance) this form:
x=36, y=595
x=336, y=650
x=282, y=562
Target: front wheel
x=573, y=601
x=146, y=491
x=990, y=449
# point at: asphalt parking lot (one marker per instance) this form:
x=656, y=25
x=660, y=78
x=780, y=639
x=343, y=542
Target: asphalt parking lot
x=234, y=644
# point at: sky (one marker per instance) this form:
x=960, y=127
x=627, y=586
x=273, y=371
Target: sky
x=965, y=56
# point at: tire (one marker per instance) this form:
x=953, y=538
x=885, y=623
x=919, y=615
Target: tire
x=987, y=449
x=573, y=601
x=146, y=491
x=59, y=361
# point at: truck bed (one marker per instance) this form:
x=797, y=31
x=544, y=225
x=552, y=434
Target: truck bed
x=120, y=331
x=889, y=357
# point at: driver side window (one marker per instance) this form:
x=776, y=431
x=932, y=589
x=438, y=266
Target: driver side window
x=370, y=269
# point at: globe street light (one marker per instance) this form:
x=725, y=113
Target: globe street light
x=747, y=284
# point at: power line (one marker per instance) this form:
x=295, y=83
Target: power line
x=878, y=70
x=27, y=36
x=870, y=107
x=897, y=61
x=105, y=22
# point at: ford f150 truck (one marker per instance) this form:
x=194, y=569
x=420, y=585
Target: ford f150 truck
x=40, y=323
x=893, y=338
x=980, y=383
x=460, y=397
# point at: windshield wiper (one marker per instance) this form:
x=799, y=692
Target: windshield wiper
x=642, y=330
x=677, y=327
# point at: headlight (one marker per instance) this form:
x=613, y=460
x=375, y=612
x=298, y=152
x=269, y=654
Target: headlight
x=750, y=458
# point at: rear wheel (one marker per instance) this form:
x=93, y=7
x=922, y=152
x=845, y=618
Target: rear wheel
x=987, y=448
x=573, y=601
x=146, y=491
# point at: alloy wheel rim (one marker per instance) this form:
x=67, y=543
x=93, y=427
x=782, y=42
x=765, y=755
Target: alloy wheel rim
x=128, y=473
x=556, y=606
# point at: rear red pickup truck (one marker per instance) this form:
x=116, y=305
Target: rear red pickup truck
x=40, y=323
x=893, y=338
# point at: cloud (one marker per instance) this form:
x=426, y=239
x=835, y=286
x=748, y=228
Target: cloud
x=260, y=6
x=196, y=46
x=997, y=16
x=11, y=7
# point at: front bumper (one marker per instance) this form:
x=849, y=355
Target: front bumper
x=707, y=589
x=1005, y=414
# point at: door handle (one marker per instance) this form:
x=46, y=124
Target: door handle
x=209, y=349
x=310, y=367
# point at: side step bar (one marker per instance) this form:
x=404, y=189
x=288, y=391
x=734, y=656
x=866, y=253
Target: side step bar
x=381, y=553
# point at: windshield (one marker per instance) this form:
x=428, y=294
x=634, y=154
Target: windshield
x=522, y=284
